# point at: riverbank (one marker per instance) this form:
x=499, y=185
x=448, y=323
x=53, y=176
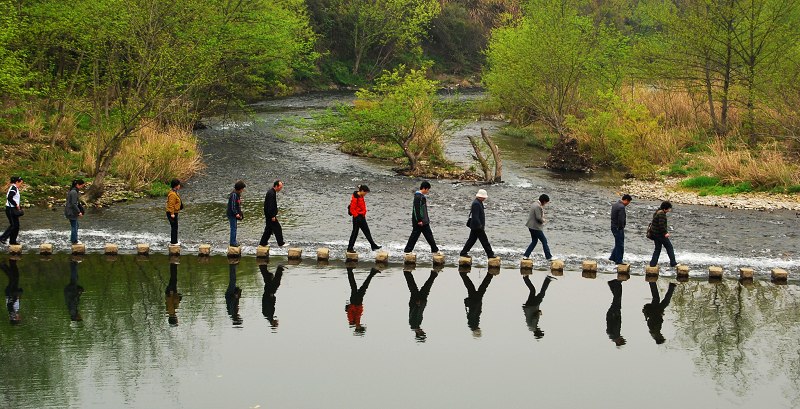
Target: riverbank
x=669, y=189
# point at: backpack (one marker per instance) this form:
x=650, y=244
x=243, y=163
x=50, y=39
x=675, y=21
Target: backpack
x=649, y=233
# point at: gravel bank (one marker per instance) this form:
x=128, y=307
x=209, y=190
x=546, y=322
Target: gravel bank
x=669, y=190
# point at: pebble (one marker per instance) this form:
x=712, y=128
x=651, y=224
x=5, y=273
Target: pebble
x=669, y=190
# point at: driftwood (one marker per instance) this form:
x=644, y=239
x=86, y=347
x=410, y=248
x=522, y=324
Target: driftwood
x=488, y=176
x=498, y=163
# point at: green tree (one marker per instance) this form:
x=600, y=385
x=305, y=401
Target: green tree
x=13, y=72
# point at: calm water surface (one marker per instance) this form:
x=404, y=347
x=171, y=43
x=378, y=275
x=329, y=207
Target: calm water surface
x=110, y=334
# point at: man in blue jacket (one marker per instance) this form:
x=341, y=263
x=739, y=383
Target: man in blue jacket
x=477, y=224
x=420, y=222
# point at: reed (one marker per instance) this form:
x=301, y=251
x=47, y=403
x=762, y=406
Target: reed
x=764, y=168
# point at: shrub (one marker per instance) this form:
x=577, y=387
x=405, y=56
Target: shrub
x=765, y=168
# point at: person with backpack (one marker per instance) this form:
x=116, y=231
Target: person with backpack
x=174, y=205
x=420, y=222
x=73, y=209
x=13, y=211
x=234, y=210
x=659, y=233
x=358, y=209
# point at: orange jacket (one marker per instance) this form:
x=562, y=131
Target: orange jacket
x=358, y=207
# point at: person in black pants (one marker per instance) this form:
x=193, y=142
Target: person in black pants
x=477, y=224
x=12, y=211
x=661, y=235
x=473, y=304
x=358, y=209
x=173, y=297
x=271, y=284
x=232, y=295
x=13, y=291
x=272, y=225
x=654, y=311
x=355, y=307
x=73, y=292
x=420, y=222
x=417, y=302
x=532, y=304
x=614, y=314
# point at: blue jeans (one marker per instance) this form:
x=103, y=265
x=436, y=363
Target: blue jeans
x=73, y=235
x=233, y=221
x=536, y=237
x=619, y=245
x=663, y=241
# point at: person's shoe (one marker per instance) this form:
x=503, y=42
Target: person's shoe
x=551, y=278
x=435, y=251
x=350, y=251
x=282, y=244
x=490, y=256
x=234, y=244
x=374, y=270
x=376, y=247
x=524, y=257
x=673, y=264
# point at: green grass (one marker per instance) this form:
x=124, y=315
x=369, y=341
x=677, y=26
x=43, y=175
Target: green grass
x=712, y=186
x=698, y=182
x=533, y=136
x=681, y=167
x=158, y=189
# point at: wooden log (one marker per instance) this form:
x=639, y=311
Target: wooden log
x=294, y=253
x=46, y=249
x=498, y=162
x=204, y=250
x=323, y=254
x=262, y=252
x=143, y=249
x=110, y=249
x=78, y=248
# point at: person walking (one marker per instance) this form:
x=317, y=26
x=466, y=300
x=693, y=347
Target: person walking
x=358, y=209
x=477, y=224
x=13, y=211
x=618, y=218
x=660, y=235
x=420, y=222
x=174, y=205
x=532, y=306
x=73, y=208
x=272, y=225
x=234, y=210
x=535, y=225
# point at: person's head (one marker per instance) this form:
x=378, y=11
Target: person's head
x=78, y=183
x=665, y=206
x=16, y=180
x=425, y=187
x=626, y=199
x=481, y=195
x=175, y=184
x=239, y=186
x=544, y=199
x=363, y=190
x=277, y=185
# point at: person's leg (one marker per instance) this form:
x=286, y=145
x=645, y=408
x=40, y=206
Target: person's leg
x=485, y=243
x=534, y=241
x=278, y=231
x=73, y=231
x=428, y=234
x=7, y=232
x=545, y=247
x=615, y=253
x=266, y=234
x=667, y=296
x=367, y=234
x=485, y=284
x=353, y=235
x=656, y=252
x=473, y=237
x=426, y=288
x=670, y=252
x=654, y=293
x=14, y=230
x=468, y=284
x=412, y=285
x=621, y=246
x=412, y=239
x=233, y=224
x=173, y=229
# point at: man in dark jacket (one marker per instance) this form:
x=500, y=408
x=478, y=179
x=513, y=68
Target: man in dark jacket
x=418, y=301
x=618, y=218
x=271, y=284
x=234, y=210
x=271, y=216
x=420, y=222
x=476, y=224
x=473, y=304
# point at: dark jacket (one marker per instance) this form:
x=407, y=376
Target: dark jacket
x=234, y=205
x=358, y=207
x=477, y=216
x=73, y=206
x=419, y=212
x=618, y=216
x=660, y=223
x=270, y=204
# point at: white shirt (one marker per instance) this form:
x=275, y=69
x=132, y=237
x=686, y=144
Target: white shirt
x=16, y=195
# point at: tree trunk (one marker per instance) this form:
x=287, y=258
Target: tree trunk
x=498, y=163
x=487, y=173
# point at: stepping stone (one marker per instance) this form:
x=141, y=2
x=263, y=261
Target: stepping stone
x=262, y=252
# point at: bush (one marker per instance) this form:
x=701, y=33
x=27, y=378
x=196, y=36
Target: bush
x=537, y=137
x=765, y=168
x=158, y=189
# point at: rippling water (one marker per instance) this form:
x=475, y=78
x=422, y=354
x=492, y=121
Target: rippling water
x=716, y=345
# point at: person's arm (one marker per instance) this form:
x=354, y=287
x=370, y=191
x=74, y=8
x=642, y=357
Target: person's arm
x=417, y=211
x=622, y=218
x=271, y=205
x=538, y=213
x=10, y=198
x=72, y=199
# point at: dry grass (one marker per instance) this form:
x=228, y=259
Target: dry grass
x=680, y=108
x=152, y=154
x=766, y=167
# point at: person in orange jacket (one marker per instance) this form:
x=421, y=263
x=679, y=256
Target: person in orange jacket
x=358, y=209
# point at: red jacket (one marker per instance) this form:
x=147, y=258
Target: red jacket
x=358, y=207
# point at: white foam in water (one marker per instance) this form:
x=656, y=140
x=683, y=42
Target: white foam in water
x=234, y=125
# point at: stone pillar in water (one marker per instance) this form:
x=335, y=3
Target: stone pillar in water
x=262, y=252
x=45, y=249
x=110, y=249
x=143, y=249
x=204, y=250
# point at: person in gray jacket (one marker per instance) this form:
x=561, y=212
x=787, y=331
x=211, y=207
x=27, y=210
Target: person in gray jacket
x=618, y=219
x=535, y=224
x=73, y=209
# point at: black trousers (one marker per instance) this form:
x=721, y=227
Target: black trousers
x=173, y=228
x=425, y=230
x=360, y=222
x=271, y=228
x=12, y=231
x=475, y=235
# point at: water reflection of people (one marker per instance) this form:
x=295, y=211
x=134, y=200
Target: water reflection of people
x=13, y=291
x=417, y=302
x=614, y=314
x=654, y=311
x=172, y=295
x=232, y=295
x=355, y=307
x=73, y=291
x=473, y=304
x=532, y=305
x=271, y=284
